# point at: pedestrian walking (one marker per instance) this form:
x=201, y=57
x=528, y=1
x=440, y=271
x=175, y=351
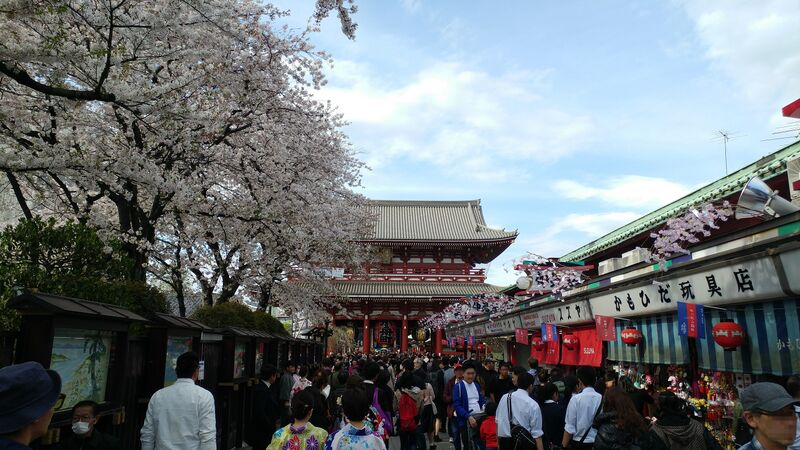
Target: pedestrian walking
x=181, y=416
x=321, y=417
x=84, y=435
x=358, y=433
x=517, y=408
x=501, y=385
x=619, y=426
x=553, y=415
x=301, y=381
x=793, y=388
x=28, y=396
x=285, y=391
x=677, y=430
x=488, y=430
x=770, y=411
x=468, y=402
x=266, y=410
x=300, y=434
x=452, y=423
x=581, y=411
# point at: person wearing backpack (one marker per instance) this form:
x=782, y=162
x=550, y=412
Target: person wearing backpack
x=620, y=427
x=408, y=410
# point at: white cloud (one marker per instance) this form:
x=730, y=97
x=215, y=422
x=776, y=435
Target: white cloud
x=632, y=191
x=757, y=43
x=457, y=118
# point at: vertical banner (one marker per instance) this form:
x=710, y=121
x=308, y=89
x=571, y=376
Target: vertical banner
x=460, y=341
x=549, y=332
x=691, y=320
x=470, y=340
x=606, y=328
x=521, y=335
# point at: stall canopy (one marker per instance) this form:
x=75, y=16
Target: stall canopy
x=661, y=343
x=772, y=343
x=589, y=351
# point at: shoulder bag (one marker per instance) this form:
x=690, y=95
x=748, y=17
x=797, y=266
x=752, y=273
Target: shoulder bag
x=519, y=435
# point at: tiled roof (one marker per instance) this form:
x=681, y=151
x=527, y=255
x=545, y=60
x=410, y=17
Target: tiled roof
x=766, y=167
x=411, y=289
x=401, y=220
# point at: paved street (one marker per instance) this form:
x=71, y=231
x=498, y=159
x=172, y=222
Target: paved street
x=394, y=443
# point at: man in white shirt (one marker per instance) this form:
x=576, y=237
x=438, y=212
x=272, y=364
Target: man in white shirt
x=524, y=410
x=581, y=412
x=181, y=416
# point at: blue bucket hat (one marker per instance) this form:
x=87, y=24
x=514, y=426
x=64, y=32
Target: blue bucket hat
x=27, y=391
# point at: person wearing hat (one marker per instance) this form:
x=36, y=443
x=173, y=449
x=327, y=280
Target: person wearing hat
x=181, y=416
x=28, y=395
x=769, y=411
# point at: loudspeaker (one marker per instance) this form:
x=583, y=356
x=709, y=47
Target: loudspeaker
x=758, y=200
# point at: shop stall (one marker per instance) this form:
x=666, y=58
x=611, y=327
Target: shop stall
x=86, y=343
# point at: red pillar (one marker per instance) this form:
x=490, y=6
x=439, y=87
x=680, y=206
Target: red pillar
x=366, y=346
x=404, y=335
x=437, y=341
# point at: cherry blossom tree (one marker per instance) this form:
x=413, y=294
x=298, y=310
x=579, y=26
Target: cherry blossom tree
x=186, y=130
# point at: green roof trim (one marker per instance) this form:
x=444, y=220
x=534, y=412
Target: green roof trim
x=789, y=228
x=765, y=168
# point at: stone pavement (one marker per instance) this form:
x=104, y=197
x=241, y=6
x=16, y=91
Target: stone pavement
x=394, y=443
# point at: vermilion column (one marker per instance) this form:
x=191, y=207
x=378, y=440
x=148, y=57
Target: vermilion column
x=365, y=347
x=437, y=341
x=404, y=335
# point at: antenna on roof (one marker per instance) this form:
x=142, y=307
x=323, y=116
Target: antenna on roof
x=793, y=129
x=726, y=136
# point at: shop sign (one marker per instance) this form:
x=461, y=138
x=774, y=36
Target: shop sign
x=791, y=261
x=563, y=314
x=507, y=325
x=735, y=283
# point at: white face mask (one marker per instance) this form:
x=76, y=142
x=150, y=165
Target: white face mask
x=80, y=428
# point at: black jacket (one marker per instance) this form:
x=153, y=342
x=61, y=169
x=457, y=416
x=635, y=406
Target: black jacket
x=319, y=417
x=609, y=437
x=265, y=415
x=553, y=423
x=679, y=432
x=384, y=398
x=97, y=441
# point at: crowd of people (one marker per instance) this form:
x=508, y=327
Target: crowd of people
x=356, y=402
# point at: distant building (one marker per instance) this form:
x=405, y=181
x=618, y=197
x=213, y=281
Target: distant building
x=428, y=256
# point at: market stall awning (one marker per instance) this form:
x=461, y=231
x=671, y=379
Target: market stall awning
x=772, y=343
x=661, y=343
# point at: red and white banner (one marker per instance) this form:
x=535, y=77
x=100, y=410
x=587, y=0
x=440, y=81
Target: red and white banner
x=606, y=328
x=521, y=335
x=792, y=109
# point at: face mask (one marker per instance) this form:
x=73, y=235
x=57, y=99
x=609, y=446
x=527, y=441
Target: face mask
x=80, y=428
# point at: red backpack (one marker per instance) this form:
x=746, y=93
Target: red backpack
x=408, y=413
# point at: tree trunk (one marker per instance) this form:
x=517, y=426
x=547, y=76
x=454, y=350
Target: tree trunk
x=266, y=297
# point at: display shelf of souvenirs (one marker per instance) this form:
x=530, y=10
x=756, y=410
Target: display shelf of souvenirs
x=720, y=394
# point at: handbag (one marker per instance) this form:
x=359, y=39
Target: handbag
x=520, y=435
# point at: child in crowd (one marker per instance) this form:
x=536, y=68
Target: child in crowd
x=489, y=427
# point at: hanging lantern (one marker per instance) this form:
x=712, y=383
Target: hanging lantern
x=631, y=336
x=728, y=334
x=351, y=333
x=570, y=341
x=481, y=346
x=537, y=343
x=421, y=335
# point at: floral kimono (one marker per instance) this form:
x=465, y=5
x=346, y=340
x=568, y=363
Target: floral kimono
x=352, y=438
x=308, y=437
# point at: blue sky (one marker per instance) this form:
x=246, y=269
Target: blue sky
x=567, y=119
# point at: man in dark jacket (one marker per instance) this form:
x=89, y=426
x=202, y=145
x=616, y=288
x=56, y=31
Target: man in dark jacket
x=266, y=411
x=285, y=391
x=371, y=372
x=85, y=436
x=553, y=414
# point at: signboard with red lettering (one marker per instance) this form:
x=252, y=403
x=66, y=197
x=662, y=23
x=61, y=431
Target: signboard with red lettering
x=606, y=328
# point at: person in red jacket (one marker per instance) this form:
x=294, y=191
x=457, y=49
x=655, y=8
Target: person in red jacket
x=489, y=427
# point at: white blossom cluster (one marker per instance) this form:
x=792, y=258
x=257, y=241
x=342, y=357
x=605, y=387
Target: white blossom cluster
x=492, y=304
x=189, y=132
x=679, y=232
x=548, y=275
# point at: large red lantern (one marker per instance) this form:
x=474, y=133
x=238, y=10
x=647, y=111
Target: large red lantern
x=631, y=336
x=537, y=343
x=728, y=334
x=570, y=341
